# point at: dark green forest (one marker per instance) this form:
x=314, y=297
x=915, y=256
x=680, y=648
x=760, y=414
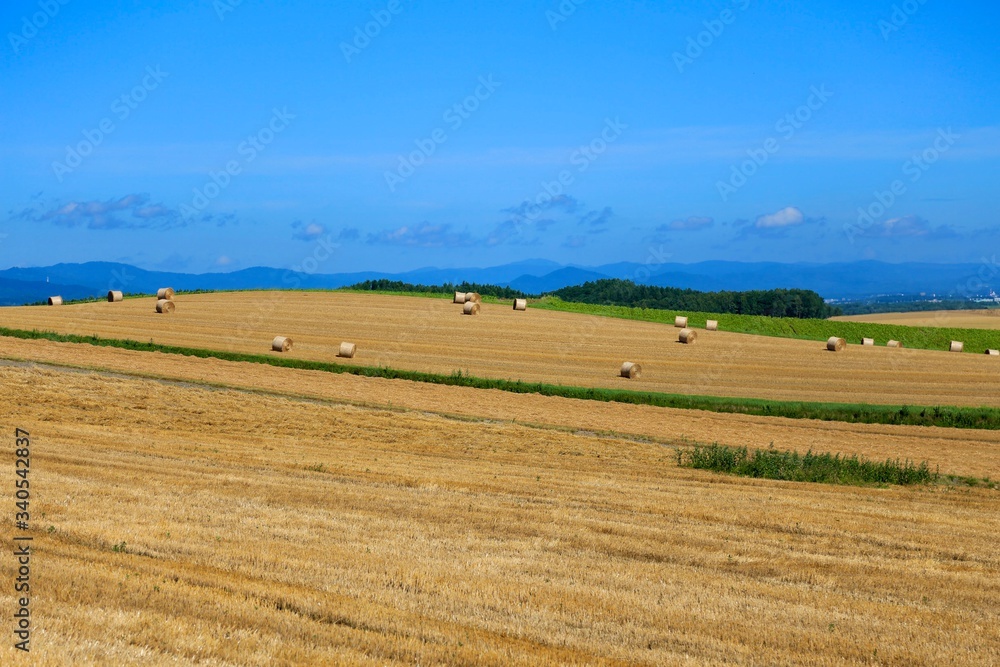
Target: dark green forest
x=774, y=303
x=613, y=292
x=384, y=285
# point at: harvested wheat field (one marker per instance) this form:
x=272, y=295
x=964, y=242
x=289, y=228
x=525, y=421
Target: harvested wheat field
x=184, y=524
x=964, y=319
x=956, y=451
x=564, y=348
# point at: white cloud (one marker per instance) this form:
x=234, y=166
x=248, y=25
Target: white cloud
x=308, y=232
x=786, y=217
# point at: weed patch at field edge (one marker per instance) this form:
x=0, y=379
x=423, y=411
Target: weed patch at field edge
x=791, y=466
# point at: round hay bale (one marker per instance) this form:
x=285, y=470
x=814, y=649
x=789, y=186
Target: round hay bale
x=473, y=296
x=115, y=296
x=520, y=304
x=470, y=308
x=281, y=344
x=164, y=306
x=712, y=325
x=688, y=336
x=347, y=350
x=165, y=293
x=835, y=344
x=681, y=322
x=55, y=300
x=631, y=370
x=868, y=341
x=993, y=353
x=894, y=343
x=957, y=346
x=459, y=297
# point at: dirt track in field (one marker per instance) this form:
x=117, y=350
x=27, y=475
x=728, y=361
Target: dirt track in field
x=564, y=348
x=183, y=525
x=956, y=451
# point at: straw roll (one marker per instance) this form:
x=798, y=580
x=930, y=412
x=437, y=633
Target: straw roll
x=631, y=370
x=687, y=336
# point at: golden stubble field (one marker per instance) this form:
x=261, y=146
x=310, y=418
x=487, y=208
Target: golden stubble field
x=956, y=451
x=965, y=319
x=565, y=348
x=265, y=530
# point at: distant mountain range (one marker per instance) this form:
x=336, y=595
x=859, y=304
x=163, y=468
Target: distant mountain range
x=844, y=281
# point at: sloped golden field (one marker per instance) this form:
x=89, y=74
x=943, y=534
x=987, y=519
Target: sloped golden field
x=179, y=524
x=955, y=451
x=564, y=348
x=198, y=511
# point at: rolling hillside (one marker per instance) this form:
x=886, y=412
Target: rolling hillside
x=200, y=510
x=213, y=525
x=432, y=335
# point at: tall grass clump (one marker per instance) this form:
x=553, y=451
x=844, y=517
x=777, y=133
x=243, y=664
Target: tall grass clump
x=809, y=467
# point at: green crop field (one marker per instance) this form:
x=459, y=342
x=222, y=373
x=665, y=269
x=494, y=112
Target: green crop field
x=925, y=338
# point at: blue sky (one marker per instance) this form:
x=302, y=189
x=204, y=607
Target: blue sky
x=213, y=136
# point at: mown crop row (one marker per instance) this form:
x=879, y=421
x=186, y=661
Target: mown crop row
x=925, y=338
x=943, y=416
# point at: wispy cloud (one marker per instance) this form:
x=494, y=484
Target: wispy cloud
x=689, y=224
x=516, y=232
x=523, y=226
x=133, y=211
x=525, y=221
x=423, y=235
x=307, y=232
x=530, y=210
x=596, y=222
x=152, y=211
x=349, y=234
x=908, y=226
x=217, y=219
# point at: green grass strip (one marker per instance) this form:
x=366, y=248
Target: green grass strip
x=809, y=467
x=924, y=338
x=948, y=417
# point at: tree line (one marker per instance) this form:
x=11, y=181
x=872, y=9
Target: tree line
x=773, y=303
x=384, y=285
x=615, y=292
